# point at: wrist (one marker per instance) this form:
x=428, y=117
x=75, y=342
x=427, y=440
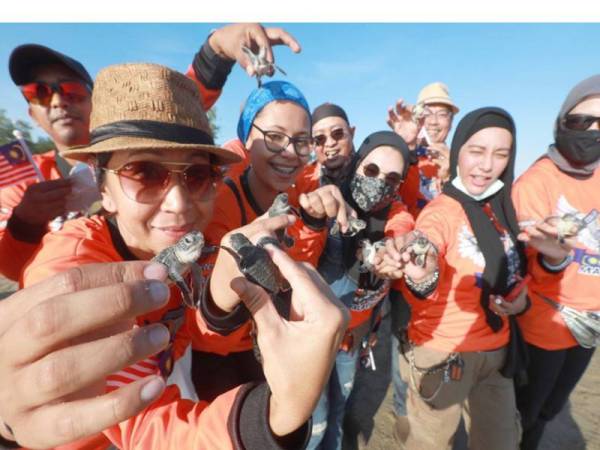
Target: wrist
x=554, y=265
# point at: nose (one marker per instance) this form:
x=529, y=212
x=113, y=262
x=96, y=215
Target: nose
x=486, y=162
x=57, y=100
x=177, y=198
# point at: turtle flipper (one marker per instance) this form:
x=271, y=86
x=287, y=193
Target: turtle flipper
x=186, y=292
x=198, y=283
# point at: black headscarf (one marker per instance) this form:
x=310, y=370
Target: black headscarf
x=375, y=219
x=495, y=275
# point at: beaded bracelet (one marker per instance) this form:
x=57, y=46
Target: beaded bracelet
x=423, y=288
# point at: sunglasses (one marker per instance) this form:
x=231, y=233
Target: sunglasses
x=391, y=178
x=337, y=135
x=148, y=181
x=277, y=142
x=40, y=93
x=580, y=122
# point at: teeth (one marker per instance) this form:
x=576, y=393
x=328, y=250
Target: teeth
x=331, y=154
x=283, y=169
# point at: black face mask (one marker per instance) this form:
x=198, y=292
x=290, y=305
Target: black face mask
x=580, y=148
x=370, y=193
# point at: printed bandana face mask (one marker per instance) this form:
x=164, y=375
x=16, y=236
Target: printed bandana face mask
x=371, y=194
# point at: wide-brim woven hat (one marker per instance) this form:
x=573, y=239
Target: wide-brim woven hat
x=436, y=93
x=146, y=107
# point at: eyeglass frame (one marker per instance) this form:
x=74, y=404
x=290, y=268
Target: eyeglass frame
x=56, y=89
x=429, y=113
x=217, y=173
x=292, y=140
x=346, y=134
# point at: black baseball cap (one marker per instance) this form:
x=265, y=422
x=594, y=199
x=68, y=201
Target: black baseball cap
x=26, y=57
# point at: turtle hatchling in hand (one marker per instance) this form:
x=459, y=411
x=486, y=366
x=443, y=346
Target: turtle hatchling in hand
x=260, y=63
x=179, y=259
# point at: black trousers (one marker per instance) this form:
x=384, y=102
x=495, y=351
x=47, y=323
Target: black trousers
x=553, y=374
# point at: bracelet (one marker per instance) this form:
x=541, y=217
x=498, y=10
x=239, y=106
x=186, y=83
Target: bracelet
x=423, y=288
x=555, y=268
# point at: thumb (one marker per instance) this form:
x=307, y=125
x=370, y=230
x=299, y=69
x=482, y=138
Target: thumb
x=258, y=302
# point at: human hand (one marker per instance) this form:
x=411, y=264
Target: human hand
x=229, y=40
x=226, y=268
x=544, y=237
x=60, y=338
x=440, y=155
x=298, y=353
x=327, y=201
x=400, y=258
x=43, y=201
x=502, y=307
x=400, y=120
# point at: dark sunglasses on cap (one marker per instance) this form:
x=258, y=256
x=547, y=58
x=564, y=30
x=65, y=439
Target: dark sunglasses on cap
x=337, y=135
x=391, y=178
x=580, y=122
x=40, y=93
x=148, y=181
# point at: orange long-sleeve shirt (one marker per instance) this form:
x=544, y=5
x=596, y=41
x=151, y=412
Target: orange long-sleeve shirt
x=16, y=248
x=170, y=422
x=543, y=191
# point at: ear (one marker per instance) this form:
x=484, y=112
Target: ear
x=108, y=202
x=30, y=112
x=352, y=130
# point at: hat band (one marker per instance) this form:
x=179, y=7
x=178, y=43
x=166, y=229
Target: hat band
x=151, y=129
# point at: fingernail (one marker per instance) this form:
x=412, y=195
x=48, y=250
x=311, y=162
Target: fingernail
x=152, y=389
x=158, y=335
x=498, y=301
x=155, y=271
x=158, y=291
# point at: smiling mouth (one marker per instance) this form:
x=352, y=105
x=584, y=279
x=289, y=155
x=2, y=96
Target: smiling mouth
x=330, y=154
x=284, y=170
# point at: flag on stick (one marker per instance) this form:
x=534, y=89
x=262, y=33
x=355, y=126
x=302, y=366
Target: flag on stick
x=16, y=165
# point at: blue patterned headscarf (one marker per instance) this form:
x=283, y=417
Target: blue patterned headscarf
x=261, y=97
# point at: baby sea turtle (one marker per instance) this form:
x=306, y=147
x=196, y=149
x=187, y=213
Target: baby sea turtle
x=419, y=249
x=260, y=63
x=368, y=251
x=567, y=225
x=179, y=259
x=280, y=207
x=256, y=264
x=354, y=227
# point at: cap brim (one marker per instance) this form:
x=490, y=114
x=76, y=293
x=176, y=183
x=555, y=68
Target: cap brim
x=122, y=143
x=25, y=57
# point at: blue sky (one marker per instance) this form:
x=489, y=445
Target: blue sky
x=525, y=68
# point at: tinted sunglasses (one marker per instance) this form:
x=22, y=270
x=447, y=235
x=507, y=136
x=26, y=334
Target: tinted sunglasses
x=337, y=135
x=40, y=93
x=580, y=122
x=148, y=181
x=391, y=178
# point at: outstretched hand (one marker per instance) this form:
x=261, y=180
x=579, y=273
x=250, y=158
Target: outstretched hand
x=229, y=40
x=298, y=353
x=60, y=338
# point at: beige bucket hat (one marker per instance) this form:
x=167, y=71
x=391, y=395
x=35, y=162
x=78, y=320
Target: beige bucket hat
x=147, y=106
x=436, y=93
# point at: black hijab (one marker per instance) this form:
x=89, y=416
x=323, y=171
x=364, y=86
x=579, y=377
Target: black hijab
x=495, y=275
x=375, y=219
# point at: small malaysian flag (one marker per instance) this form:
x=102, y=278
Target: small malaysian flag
x=15, y=166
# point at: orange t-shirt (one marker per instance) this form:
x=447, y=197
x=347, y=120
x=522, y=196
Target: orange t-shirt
x=542, y=191
x=451, y=319
x=421, y=185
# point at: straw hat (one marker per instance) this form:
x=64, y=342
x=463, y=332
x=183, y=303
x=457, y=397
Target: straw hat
x=436, y=93
x=147, y=106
